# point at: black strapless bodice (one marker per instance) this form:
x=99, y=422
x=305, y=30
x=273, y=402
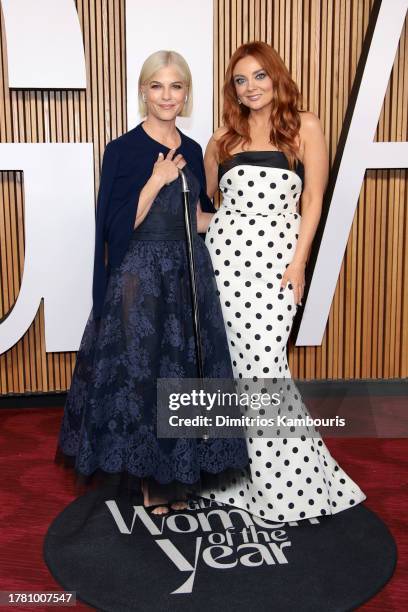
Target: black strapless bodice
x=271, y=159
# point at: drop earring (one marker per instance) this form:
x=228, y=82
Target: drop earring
x=143, y=97
x=239, y=101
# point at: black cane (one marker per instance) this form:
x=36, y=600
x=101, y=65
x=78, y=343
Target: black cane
x=192, y=274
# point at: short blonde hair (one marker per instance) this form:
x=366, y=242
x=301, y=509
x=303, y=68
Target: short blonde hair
x=159, y=60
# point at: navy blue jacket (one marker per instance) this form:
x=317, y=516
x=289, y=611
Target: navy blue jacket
x=127, y=165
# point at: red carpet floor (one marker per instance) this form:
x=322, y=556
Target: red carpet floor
x=33, y=491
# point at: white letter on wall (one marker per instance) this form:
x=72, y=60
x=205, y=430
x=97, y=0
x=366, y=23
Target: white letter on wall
x=360, y=153
x=44, y=44
x=185, y=26
x=59, y=241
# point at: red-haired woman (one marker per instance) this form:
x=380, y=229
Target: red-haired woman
x=267, y=155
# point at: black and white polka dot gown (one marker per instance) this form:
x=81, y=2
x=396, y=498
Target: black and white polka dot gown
x=252, y=239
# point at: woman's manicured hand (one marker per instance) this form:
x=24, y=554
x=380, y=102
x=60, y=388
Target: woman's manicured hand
x=166, y=168
x=295, y=275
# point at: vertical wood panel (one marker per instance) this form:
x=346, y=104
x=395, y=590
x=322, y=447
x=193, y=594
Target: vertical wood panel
x=96, y=115
x=321, y=42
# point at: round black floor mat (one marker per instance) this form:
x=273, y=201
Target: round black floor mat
x=119, y=558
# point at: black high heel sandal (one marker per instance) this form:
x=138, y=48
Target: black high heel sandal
x=178, y=501
x=162, y=505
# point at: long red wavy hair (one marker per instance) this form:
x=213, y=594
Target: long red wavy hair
x=285, y=119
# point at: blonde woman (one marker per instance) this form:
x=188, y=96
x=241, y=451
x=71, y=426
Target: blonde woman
x=141, y=325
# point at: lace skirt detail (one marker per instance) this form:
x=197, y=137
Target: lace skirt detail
x=146, y=332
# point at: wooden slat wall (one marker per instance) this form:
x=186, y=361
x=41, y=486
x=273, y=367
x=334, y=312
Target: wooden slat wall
x=320, y=41
x=96, y=115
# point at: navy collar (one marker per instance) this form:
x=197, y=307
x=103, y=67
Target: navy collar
x=158, y=144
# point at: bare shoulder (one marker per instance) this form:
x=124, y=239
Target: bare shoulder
x=314, y=150
x=212, y=147
x=309, y=124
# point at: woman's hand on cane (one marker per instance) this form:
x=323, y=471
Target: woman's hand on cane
x=165, y=171
x=166, y=168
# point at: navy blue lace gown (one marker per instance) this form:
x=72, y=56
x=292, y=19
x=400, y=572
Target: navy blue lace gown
x=146, y=332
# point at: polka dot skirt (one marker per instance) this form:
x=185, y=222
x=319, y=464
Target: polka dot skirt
x=251, y=240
